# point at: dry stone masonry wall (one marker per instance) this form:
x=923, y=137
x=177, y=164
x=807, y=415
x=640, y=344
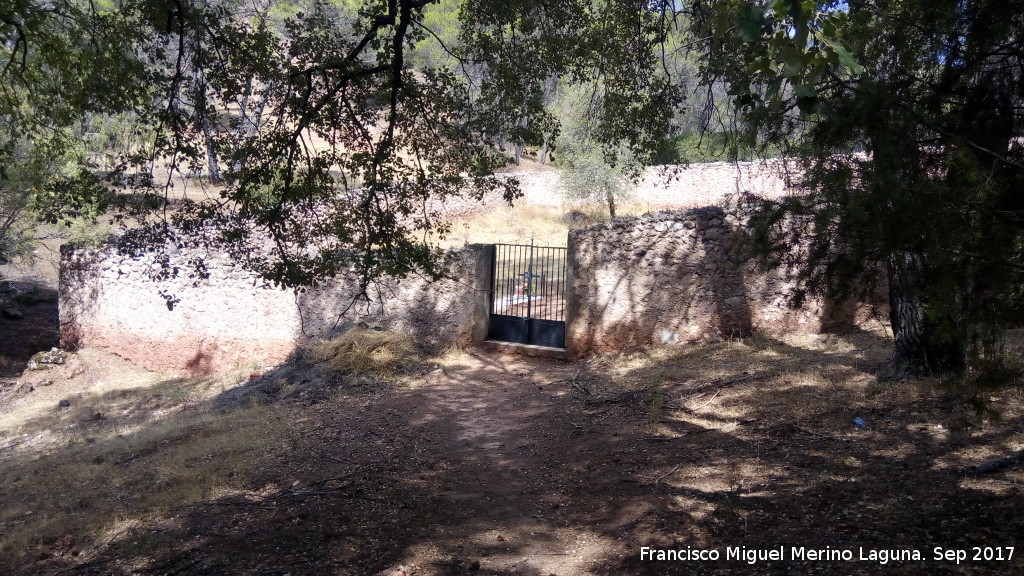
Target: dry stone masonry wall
x=675, y=277
x=660, y=279
x=232, y=319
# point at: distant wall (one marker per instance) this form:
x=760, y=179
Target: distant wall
x=232, y=319
x=676, y=277
x=682, y=186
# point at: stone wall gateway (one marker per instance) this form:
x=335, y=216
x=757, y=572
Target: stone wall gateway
x=233, y=320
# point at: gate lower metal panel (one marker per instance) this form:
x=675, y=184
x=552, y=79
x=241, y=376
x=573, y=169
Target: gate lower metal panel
x=508, y=329
x=546, y=332
x=521, y=330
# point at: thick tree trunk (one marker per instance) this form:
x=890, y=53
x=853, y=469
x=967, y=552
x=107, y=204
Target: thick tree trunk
x=906, y=313
x=924, y=343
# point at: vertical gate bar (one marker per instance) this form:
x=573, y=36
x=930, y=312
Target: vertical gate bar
x=558, y=271
x=561, y=284
x=539, y=267
x=504, y=278
x=514, y=265
x=510, y=264
x=547, y=284
x=554, y=259
x=542, y=301
x=529, y=282
x=504, y=289
x=495, y=296
x=513, y=295
x=561, y=268
x=496, y=280
x=506, y=265
x=515, y=280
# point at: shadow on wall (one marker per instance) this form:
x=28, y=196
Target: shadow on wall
x=727, y=282
x=436, y=314
x=78, y=291
x=678, y=276
x=232, y=318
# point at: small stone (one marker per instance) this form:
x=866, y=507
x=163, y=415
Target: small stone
x=53, y=356
x=474, y=566
x=64, y=404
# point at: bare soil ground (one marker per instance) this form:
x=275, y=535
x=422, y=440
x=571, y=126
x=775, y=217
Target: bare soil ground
x=478, y=463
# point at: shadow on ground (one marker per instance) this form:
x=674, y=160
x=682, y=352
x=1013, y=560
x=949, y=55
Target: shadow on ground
x=28, y=323
x=499, y=465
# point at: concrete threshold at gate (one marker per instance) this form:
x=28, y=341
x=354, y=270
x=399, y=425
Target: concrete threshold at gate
x=526, y=349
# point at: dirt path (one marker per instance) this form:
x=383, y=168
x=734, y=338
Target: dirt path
x=499, y=465
x=483, y=468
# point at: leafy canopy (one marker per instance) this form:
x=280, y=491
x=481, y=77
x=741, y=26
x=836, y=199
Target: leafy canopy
x=907, y=116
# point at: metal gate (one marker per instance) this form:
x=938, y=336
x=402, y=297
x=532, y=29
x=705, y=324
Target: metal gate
x=528, y=297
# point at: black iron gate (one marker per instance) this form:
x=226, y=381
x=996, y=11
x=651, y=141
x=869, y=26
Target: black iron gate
x=528, y=298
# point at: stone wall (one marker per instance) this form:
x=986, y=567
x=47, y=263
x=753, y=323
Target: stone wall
x=675, y=277
x=233, y=320
x=683, y=186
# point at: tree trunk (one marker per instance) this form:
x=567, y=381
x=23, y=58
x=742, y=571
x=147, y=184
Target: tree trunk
x=212, y=164
x=205, y=124
x=906, y=313
x=610, y=196
x=924, y=343
x=248, y=122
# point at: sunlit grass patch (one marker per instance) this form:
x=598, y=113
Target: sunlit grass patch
x=546, y=225
x=83, y=491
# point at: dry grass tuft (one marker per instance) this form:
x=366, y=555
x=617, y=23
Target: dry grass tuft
x=379, y=352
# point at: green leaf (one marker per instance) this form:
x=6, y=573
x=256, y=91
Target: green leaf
x=793, y=66
x=751, y=19
x=805, y=90
x=846, y=59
